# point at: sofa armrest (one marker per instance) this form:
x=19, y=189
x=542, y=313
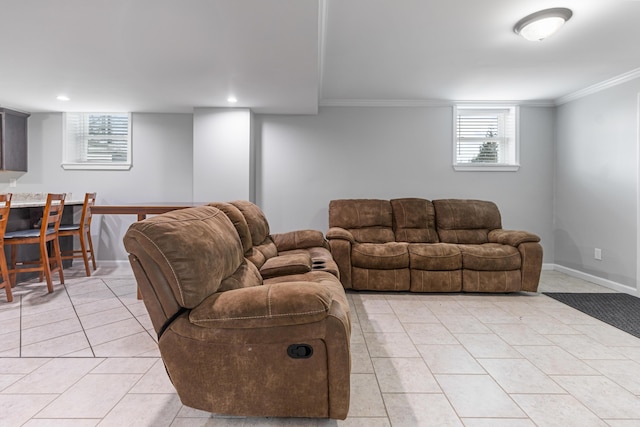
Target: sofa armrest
x=265, y=306
x=299, y=239
x=285, y=265
x=512, y=237
x=340, y=233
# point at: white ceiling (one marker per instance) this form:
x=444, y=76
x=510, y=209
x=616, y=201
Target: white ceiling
x=289, y=56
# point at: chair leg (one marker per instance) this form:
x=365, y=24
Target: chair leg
x=5, y=277
x=46, y=267
x=14, y=257
x=93, y=258
x=58, y=258
x=83, y=249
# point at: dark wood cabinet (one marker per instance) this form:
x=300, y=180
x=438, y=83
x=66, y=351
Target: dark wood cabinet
x=13, y=140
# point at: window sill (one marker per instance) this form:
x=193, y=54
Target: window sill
x=95, y=166
x=486, y=168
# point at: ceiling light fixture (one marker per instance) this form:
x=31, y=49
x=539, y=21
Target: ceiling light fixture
x=232, y=99
x=540, y=25
x=62, y=98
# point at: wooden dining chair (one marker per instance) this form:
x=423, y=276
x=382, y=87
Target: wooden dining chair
x=83, y=231
x=47, y=232
x=5, y=207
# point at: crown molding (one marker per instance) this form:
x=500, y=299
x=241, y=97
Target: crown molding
x=590, y=90
x=426, y=103
x=383, y=103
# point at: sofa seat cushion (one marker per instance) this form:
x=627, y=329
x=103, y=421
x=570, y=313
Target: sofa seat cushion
x=293, y=303
x=490, y=257
x=380, y=256
x=435, y=257
x=322, y=278
x=283, y=265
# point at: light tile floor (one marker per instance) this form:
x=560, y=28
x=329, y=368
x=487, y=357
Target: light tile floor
x=85, y=355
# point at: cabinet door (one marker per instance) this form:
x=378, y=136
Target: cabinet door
x=13, y=132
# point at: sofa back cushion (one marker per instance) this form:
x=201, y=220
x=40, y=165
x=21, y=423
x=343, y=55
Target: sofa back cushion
x=466, y=221
x=256, y=221
x=369, y=220
x=262, y=246
x=239, y=222
x=414, y=220
x=195, y=249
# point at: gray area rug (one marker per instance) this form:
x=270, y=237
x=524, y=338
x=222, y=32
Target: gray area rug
x=617, y=309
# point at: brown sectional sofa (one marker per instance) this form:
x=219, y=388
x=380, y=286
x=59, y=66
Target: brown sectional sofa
x=419, y=245
x=248, y=323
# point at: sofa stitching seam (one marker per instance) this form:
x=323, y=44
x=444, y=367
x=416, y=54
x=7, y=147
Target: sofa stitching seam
x=175, y=276
x=269, y=316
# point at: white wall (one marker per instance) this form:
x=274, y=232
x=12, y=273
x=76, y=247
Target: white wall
x=378, y=152
x=222, y=158
x=596, y=184
x=162, y=171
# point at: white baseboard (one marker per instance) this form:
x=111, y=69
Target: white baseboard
x=619, y=287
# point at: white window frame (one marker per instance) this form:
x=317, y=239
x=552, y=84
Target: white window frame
x=508, y=138
x=75, y=145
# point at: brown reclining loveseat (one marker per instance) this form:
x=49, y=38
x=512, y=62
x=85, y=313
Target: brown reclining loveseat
x=274, y=255
x=232, y=341
x=419, y=245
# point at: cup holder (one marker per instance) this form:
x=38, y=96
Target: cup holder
x=318, y=265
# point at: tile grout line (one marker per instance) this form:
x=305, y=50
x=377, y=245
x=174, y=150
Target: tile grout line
x=20, y=323
x=79, y=321
x=127, y=308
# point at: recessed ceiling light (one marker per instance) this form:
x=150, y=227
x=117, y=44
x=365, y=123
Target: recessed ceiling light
x=232, y=99
x=63, y=98
x=540, y=25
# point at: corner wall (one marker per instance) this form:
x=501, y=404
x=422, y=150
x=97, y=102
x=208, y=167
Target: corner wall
x=596, y=192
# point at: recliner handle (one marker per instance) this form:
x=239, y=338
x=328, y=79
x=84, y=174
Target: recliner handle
x=300, y=351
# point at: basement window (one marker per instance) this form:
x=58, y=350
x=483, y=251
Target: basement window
x=97, y=141
x=486, y=138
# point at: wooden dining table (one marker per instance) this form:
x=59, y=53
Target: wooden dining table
x=141, y=210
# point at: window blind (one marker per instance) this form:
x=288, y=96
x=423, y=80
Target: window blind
x=485, y=138
x=481, y=136
x=95, y=139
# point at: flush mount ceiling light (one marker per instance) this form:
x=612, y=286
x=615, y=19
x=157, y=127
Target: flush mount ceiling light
x=540, y=25
x=62, y=98
x=232, y=99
